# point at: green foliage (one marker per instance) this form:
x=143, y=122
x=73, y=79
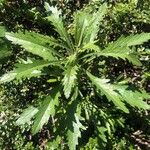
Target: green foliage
x=89, y=26
x=33, y=43
x=121, y=48
x=73, y=125
x=72, y=65
x=2, y=31
x=46, y=110
x=69, y=80
x=109, y=91
x=27, y=115
x=117, y=93
x=26, y=70
x=4, y=51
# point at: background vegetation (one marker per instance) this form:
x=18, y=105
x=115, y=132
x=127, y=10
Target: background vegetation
x=118, y=130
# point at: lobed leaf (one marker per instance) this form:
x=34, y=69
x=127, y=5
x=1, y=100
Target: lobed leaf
x=87, y=25
x=133, y=97
x=46, y=110
x=120, y=93
x=34, y=43
x=57, y=22
x=120, y=48
x=27, y=70
x=73, y=123
x=69, y=80
x=26, y=116
x=108, y=89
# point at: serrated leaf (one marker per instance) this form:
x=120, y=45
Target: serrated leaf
x=26, y=116
x=119, y=93
x=52, y=9
x=91, y=46
x=132, y=40
x=108, y=89
x=101, y=134
x=133, y=97
x=26, y=70
x=46, y=110
x=34, y=43
x=73, y=123
x=57, y=22
x=74, y=134
x=87, y=25
x=94, y=23
x=69, y=80
x=123, y=53
x=121, y=48
x=55, y=144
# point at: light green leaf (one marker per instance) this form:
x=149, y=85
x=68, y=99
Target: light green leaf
x=102, y=134
x=87, y=25
x=125, y=42
x=55, y=144
x=119, y=93
x=57, y=22
x=91, y=46
x=8, y=77
x=94, y=23
x=74, y=133
x=69, y=80
x=132, y=40
x=2, y=31
x=108, y=89
x=34, y=43
x=122, y=52
x=133, y=97
x=46, y=110
x=26, y=116
x=120, y=48
x=26, y=70
x=73, y=123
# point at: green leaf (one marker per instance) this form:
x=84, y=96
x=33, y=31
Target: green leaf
x=46, y=110
x=2, y=31
x=94, y=23
x=73, y=123
x=34, y=43
x=74, y=133
x=4, y=51
x=124, y=53
x=108, y=89
x=26, y=70
x=133, y=97
x=120, y=48
x=119, y=93
x=55, y=144
x=132, y=40
x=91, y=46
x=102, y=134
x=26, y=116
x=69, y=80
x=57, y=22
x=87, y=25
